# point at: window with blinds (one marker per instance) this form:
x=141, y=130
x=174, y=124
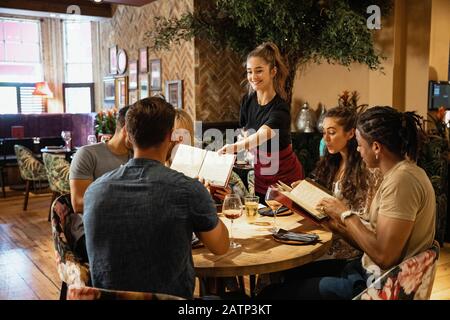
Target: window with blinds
x=19, y=98
x=30, y=103
x=20, y=66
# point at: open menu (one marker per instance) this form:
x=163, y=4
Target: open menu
x=304, y=198
x=209, y=165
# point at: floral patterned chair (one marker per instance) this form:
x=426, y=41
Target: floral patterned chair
x=410, y=280
x=72, y=268
x=57, y=169
x=31, y=169
x=91, y=293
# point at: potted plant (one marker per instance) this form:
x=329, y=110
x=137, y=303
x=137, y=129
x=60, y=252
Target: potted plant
x=105, y=124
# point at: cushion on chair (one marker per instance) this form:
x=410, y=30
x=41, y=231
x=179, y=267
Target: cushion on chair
x=71, y=268
x=90, y=293
x=30, y=168
x=410, y=280
x=57, y=169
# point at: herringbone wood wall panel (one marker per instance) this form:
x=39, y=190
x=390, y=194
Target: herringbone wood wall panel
x=210, y=78
x=126, y=30
x=217, y=84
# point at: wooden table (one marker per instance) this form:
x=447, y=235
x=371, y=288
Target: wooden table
x=259, y=252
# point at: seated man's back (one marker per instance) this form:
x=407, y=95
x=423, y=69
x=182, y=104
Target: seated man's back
x=139, y=221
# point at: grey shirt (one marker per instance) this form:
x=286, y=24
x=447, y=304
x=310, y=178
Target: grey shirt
x=93, y=161
x=139, y=221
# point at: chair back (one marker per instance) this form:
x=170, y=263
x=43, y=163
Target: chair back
x=412, y=279
x=57, y=168
x=30, y=168
x=91, y=293
x=66, y=230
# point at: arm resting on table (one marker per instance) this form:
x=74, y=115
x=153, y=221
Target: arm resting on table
x=217, y=239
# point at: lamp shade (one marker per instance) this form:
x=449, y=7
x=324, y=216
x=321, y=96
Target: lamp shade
x=42, y=89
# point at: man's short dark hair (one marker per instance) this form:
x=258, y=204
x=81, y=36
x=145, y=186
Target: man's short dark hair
x=120, y=118
x=149, y=121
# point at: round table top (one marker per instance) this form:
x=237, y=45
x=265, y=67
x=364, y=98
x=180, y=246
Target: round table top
x=259, y=252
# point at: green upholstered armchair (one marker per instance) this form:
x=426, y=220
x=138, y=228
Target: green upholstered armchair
x=31, y=169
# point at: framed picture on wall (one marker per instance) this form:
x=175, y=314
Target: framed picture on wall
x=143, y=60
x=113, y=60
x=109, y=91
x=174, y=93
x=155, y=75
x=133, y=74
x=121, y=61
x=121, y=92
x=143, y=85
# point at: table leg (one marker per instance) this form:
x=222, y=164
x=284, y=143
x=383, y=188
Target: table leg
x=241, y=284
x=252, y=285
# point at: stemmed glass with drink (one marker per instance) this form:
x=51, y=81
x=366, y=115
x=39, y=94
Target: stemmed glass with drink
x=91, y=139
x=271, y=201
x=67, y=136
x=232, y=209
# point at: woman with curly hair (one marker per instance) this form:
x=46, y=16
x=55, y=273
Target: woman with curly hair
x=342, y=171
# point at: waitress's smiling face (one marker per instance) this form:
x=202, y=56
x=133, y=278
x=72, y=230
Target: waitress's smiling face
x=259, y=74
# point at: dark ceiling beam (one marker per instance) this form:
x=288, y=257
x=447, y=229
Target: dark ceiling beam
x=87, y=8
x=137, y=3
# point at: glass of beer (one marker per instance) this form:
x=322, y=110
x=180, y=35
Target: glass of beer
x=251, y=207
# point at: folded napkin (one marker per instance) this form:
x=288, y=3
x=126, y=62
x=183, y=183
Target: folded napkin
x=289, y=236
x=266, y=211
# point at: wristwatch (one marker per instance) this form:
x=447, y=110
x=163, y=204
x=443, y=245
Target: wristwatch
x=346, y=214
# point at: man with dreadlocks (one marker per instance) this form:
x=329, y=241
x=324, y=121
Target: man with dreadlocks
x=402, y=213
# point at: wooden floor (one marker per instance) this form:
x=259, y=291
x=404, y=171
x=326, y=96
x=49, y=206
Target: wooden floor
x=27, y=261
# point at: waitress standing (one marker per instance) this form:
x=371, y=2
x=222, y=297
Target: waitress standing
x=265, y=115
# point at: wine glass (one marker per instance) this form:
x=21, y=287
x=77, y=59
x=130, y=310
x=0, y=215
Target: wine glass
x=232, y=209
x=91, y=139
x=271, y=201
x=67, y=136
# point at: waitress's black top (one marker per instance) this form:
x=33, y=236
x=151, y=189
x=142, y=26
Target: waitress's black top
x=275, y=115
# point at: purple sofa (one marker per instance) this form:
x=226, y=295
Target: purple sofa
x=50, y=124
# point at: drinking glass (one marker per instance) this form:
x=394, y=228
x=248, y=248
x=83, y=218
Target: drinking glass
x=67, y=136
x=251, y=207
x=271, y=201
x=91, y=139
x=232, y=209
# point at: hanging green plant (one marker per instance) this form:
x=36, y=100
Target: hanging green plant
x=305, y=30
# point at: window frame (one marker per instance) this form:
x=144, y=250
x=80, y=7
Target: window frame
x=40, y=61
x=65, y=44
x=89, y=85
x=19, y=85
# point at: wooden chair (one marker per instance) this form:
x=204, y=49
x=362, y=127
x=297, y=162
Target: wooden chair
x=73, y=267
x=91, y=293
x=31, y=169
x=412, y=279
